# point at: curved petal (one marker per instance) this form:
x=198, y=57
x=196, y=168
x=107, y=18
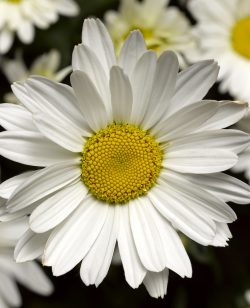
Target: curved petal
x=133, y=48
x=133, y=268
x=59, y=132
x=30, y=246
x=146, y=235
x=163, y=88
x=90, y=102
x=55, y=209
x=96, y=263
x=43, y=183
x=85, y=60
x=202, y=160
x=157, y=283
x=33, y=149
x=96, y=37
x=9, y=186
x=121, y=95
x=142, y=82
x=15, y=117
x=172, y=206
x=193, y=84
x=70, y=242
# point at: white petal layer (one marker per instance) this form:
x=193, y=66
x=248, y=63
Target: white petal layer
x=70, y=242
x=174, y=208
x=95, y=265
x=9, y=186
x=58, y=207
x=31, y=148
x=43, y=183
x=223, y=186
x=30, y=246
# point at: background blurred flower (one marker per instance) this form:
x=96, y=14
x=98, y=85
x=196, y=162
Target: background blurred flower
x=128, y=152
x=28, y=274
x=20, y=17
x=46, y=65
x=163, y=28
x=222, y=34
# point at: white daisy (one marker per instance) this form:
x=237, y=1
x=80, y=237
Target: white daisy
x=28, y=274
x=223, y=34
x=130, y=155
x=162, y=27
x=46, y=65
x=20, y=17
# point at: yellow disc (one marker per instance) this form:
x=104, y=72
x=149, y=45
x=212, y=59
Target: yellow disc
x=241, y=37
x=121, y=162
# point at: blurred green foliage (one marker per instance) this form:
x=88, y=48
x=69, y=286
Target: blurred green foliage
x=220, y=275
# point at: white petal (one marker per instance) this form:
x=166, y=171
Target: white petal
x=222, y=235
x=227, y=114
x=9, y=291
x=142, y=82
x=193, y=84
x=84, y=59
x=9, y=186
x=227, y=139
x=157, y=283
x=172, y=206
x=163, y=88
x=201, y=160
x=32, y=277
x=15, y=117
x=43, y=183
x=70, y=242
x=146, y=235
x=90, y=102
x=205, y=203
x=121, y=95
x=31, y=148
x=54, y=99
x=133, y=48
x=184, y=121
x=30, y=246
x=6, y=40
x=96, y=264
x=175, y=255
x=96, y=37
x=68, y=7
x=224, y=186
x=133, y=268
x=26, y=32
x=58, y=207
x=61, y=133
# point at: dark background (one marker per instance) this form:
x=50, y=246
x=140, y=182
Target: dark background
x=220, y=275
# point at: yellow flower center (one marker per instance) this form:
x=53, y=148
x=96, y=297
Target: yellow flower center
x=120, y=162
x=241, y=37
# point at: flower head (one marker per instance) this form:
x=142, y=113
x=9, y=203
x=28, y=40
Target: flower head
x=163, y=28
x=129, y=155
x=222, y=33
x=20, y=17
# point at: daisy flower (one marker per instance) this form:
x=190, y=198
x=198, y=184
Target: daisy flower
x=222, y=33
x=129, y=154
x=163, y=28
x=45, y=65
x=20, y=17
x=28, y=274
